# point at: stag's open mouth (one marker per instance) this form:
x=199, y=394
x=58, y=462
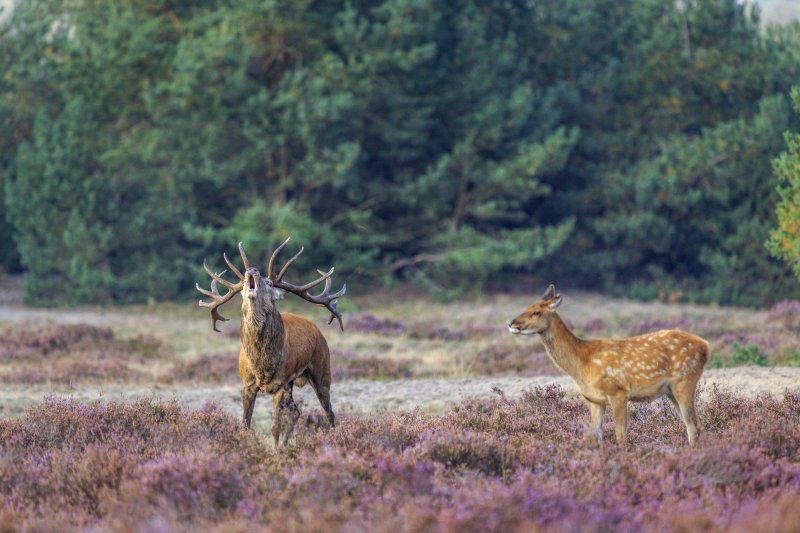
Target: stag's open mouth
x=251, y=282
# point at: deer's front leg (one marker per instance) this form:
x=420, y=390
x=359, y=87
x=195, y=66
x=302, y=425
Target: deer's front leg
x=596, y=410
x=619, y=405
x=249, y=393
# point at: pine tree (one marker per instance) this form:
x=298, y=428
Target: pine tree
x=785, y=239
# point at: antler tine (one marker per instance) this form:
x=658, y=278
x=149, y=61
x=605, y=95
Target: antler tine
x=288, y=263
x=233, y=268
x=326, y=276
x=219, y=299
x=323, y=298
x=244, y=257
x=332, y=305
x=216, y=277
x=274, y=255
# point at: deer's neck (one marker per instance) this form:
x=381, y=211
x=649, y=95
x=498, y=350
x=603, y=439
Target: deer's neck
x=564, y=348
x=262, y=334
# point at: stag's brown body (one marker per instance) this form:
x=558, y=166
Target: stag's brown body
x=612, y=372
x=279, y=350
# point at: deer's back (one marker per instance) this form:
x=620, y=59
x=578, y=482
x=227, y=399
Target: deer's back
x=646, y=361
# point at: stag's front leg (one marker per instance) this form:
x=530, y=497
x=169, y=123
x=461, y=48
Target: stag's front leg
x=249, y=393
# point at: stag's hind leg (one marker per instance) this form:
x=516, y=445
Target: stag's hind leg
x=284, y=415
x=682, y=395
x=322, y=387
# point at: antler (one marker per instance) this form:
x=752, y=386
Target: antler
x=323, y=298
x=233, y=288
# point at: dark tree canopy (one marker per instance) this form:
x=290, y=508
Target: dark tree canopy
x=623, y=146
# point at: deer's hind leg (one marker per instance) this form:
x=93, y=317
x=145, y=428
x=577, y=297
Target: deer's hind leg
x=682, y=394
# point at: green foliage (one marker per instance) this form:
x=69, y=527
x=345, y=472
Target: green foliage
x=741, y=355
x=624, y=144
x=59, y=209
x=694, y=216
x=747, y=355
x=785, y=239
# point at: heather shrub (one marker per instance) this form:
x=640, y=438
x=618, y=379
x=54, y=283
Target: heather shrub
x=787, y=314
x=34, y=344
x=347, y=364
x=508, y=357
x=485, y=465
x=592, y=327
x=437, y=332
x=193, y=482
x=70, y=353
x=212, y=368
x=369, y=323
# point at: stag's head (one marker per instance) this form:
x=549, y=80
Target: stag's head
x=259, y=291
x=536, y=318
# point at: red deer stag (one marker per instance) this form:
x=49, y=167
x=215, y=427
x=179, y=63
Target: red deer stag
x=279, y=350
x=611, y=372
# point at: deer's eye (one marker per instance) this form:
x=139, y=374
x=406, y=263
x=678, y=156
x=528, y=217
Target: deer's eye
x=537, y=313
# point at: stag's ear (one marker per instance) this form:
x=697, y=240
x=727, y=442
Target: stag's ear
x=276, y=294
x=550, y=293
x=555, y=301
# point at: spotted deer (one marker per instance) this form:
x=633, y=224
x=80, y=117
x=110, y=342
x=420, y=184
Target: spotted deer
x=279, y=350
x=612, y=372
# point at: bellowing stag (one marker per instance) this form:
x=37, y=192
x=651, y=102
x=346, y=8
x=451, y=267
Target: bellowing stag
x=279, y=350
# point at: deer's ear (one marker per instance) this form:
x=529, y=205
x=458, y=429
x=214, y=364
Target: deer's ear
x=555, y=301
x=550, y=293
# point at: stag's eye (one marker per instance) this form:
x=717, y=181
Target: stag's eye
x=537, y=313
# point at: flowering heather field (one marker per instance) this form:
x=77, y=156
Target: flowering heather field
x=491, y=465
x=504, y=463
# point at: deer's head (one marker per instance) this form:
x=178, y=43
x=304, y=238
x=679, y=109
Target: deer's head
x=258, y=291
x=536, y=318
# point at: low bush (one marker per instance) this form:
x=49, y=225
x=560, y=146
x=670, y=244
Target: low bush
x=79, y=352
x=347, y=364
x=524, y=464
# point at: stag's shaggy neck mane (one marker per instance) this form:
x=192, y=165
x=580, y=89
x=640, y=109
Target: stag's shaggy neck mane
x=262, y=333
x=563, y=347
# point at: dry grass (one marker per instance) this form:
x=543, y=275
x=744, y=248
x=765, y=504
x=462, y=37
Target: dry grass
x=397, y=335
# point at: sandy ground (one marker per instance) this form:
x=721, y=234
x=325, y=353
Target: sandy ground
x=366, y=397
